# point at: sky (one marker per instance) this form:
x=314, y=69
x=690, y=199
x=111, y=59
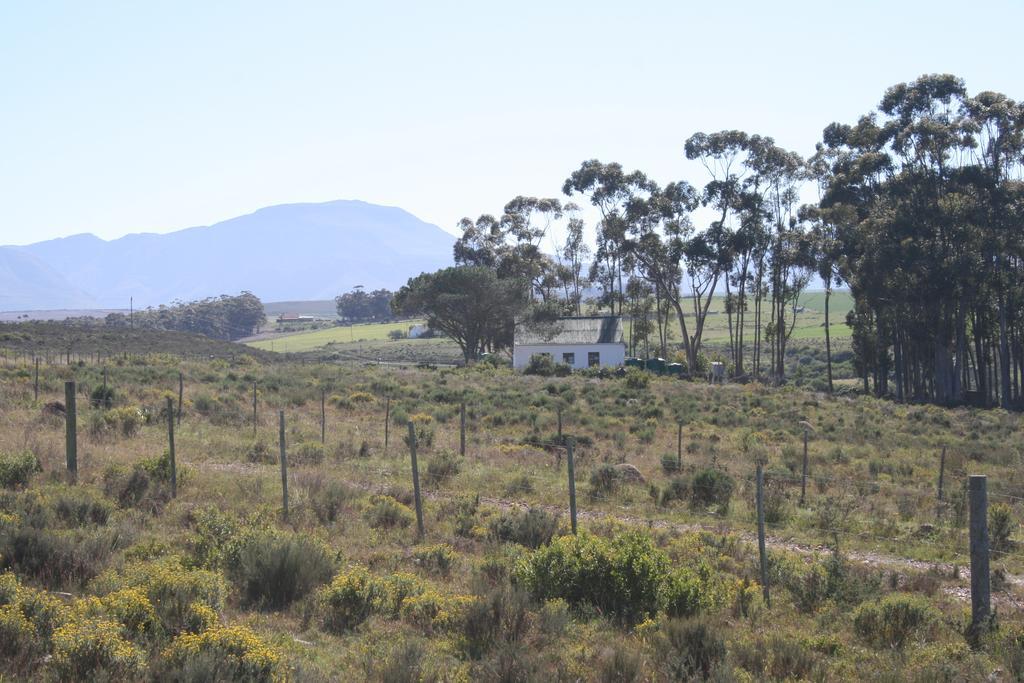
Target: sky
x=120, y=117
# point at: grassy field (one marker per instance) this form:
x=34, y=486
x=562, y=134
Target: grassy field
x=112, y=577
x=810, y=322
x=318, y=339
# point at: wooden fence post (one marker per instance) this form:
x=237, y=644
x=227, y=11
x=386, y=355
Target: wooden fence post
x=981, y=598
x=254, y=415
x=323, y=416
x=170, y=444
x=37, y=379
x=284, y=467
x=71, y=430
x=942, y=477
x=803, y=476
x=572, y=483
x=760, y=535
x=181, y=394
x=387, y=423
x=462, y=429
x=415, y=479
x=679, y=446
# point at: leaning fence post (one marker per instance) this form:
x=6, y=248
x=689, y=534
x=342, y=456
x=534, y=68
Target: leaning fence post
x=760, y=535
x=462, y=429
x=284, y=467
x=71, y=429
x=170, y=444
x=415, y=479
x=572, y=483
x=981, y=598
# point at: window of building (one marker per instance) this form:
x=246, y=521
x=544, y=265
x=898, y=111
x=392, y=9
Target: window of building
x=569, y=358
x=593, y=358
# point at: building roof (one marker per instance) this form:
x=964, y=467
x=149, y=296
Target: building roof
x=598, y=329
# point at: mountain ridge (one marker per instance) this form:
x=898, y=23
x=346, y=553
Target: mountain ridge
x=297, y=251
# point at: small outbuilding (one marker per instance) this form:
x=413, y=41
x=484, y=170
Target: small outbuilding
x=582, y=342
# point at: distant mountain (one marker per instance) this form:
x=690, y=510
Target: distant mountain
x=27, y=283
x=287, y=252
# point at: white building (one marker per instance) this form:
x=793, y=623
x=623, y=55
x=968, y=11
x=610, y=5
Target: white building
x=583, y=342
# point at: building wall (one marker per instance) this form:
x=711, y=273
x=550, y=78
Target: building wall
x=612, y=355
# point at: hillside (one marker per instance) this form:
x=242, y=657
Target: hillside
x=286, y=252
x=26, y=282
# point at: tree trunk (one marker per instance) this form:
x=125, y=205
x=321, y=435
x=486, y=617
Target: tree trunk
x=828, y=340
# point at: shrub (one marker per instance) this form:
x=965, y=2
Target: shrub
x=423, y=424
x=685, y=594
x=894, y=620
x=712, y=487
x=17, y=468
x=621, y=577
x=669, y=463
x=126, y=420
x=676, y=489
x=260, y=452
x=619, y=664
x=59, y=557
x=329, y=500
x=689, y=649
x=384, y=512
x=232, y=653
x=172, y=588
x=349, y=600
x=554, y=617
x=540, y=364
x=91, y=649
x=103, y=397
x=604, y=481
x=442, y=467
x=274, y=569
x=1000, y=527
x=17, y=635
x=637, y=379
x=306, y=453
x=499, y=617
x=533, y=527
x=437, y=559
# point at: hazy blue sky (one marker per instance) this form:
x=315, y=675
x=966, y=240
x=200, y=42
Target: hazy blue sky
x=120, y=117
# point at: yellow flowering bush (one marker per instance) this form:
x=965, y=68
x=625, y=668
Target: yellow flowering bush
x=349, y=599
x=199, y=618
x=86, y=649
x=17, y=635
x=431, y=611
x=171, y=588
x=228, y=653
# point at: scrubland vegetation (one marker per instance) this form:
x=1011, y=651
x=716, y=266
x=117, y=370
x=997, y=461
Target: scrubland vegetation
x=111, y=577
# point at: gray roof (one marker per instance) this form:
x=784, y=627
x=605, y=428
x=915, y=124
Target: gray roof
x=598, y=329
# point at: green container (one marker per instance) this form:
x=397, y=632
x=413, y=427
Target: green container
x=634, y=363
x=675, y=369
x=656, y=365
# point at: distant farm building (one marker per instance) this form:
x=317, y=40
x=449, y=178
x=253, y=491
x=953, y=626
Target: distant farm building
x=584, y=342
x=294, y=318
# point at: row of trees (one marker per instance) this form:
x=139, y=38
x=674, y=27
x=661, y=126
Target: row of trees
x=360, y=306
x=919, y=212
x=222, y=317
